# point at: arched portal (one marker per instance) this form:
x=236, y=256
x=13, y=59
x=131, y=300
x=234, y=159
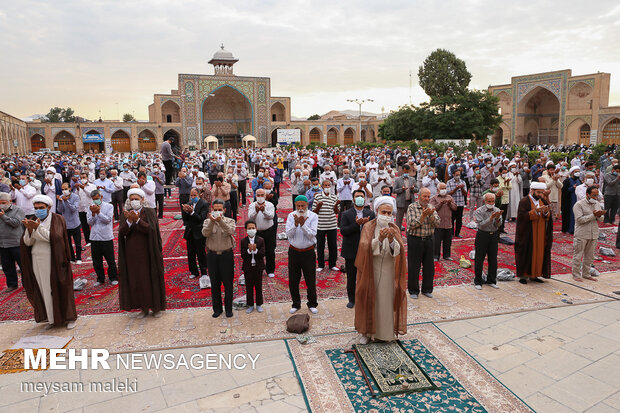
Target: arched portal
x=170, y=112
x=227, y=114
x=274, y=137
x=278, y=112
x=171, y=133
x=498, y=137
x=94, y=146
x=315, y=135
x=332, y=136
x=372, y=135
x=363, y=135
x=64, y=142
x=537, y=118
x=584, y=135
x=348, y=136
x=611, y=132
x=37, y=142
x=146, y=141
x=121, y=141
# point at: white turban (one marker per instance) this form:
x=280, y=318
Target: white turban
x=5, y=196
x=512, y=164
x=385, y=200
x=538, y=185
x=549, y=163
x=43, y=199
x=51, y=169
x=136, y=191
x=573, y=169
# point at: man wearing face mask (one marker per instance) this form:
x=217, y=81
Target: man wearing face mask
x=351, y=225
x=445, y=206
x=569, y=198
x=100, y=218
x=159, y=179
x=68, y=206
x=221, y=190
x=378, y=179
x=612, y=194
x=11, y=230
x=51, y=186
x=405, y=189
x=194, y=214
x=326, y=206
x=301, y=230
x=315, y=188
x=458, y=191
x=22, y=194
x=534, y=236
x=84, y=188
x=219, y=231
x=430, y=182
x=46, y=272
x=344, y=186
x=488, y=219
x=588, y=214
x=128, y=178
x=580, y=190
x=263, y=213
x=381, y=310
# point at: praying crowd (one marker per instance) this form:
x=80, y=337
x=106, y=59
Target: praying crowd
x=397, y=212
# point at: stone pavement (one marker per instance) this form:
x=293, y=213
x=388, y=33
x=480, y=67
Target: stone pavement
x=555, y=359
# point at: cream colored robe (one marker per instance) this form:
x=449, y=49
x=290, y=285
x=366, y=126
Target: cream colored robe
x=383, y=268
x=42, y=262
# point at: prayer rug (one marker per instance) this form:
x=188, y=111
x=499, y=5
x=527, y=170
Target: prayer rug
x=332, y=381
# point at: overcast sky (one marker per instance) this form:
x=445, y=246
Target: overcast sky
x=114, y=55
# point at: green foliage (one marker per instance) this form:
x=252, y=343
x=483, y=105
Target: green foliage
x=314, y=117
x=597, y=152
x=472, y=147
x=532, y=156
x=56, y=115
x=443, y=74
x=128, y=117
x=556, y=157
x=313, y=145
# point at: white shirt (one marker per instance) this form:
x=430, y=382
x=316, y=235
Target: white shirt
x=252, y=253
x=85, y=199
x=263, y=219
x=23, y=198
x=149, y=192
x=303, y=236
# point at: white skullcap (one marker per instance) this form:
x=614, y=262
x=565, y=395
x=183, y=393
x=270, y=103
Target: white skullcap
x=538, y=185
x=512, y=163
x=51, y=169
x=385, y=200
x=43, y=199
x=549, y=163
x=5, y=196
x=136, y=191
x=573, y=169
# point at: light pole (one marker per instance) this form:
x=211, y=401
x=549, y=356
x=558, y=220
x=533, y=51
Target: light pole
x=360, y=103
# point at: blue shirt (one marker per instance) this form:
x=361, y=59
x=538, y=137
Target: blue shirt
x=108, y=188
x=310, y=193
x=69, y=210
x=101, y=223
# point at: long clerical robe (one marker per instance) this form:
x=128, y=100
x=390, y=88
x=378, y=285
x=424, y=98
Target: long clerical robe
x=533, y=240
x=141, y=264
x=46, y=271
x=516, y=192
x=380, y=298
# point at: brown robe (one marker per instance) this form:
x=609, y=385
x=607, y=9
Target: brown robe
x=141, y=264
x=61, y=276
x=365, y=290
x=533, y=240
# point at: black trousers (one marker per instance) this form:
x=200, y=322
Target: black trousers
x=332, y=247
x=117, y=203
x=253, y=285
x=233, y=204
x=77, y=239
x=612, y=203
x=526, y=191
x=420, y=254
x=8, y=258
x=486, y=246
x=99, y=251
x=442, y=235
x=242, y=190
x=159, y=200
x=125, y=190
x=85, y=227
x=269, y=235
x=169, y=171
x=457, y=220
x=351, y=278
x=504, y=208
x=221, y=271
x=344, y=205
x=196, y=250
x=276, y=188
x=302, y=263
x=183, y=199
x=565, y=215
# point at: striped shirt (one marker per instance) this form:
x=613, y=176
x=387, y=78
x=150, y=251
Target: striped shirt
x=327, y=219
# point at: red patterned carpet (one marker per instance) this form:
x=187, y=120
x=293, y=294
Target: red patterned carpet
x=183, y=292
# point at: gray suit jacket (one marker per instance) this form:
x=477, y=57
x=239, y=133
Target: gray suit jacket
x=401, y=194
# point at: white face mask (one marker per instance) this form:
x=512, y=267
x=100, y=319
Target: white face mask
x=66, y=192
x=513, y=170
x=327, y=190
x=592, y=200
x=260, y=199
x=267, y=191
x=490, y=206
x=136, y=204
x=4, y=207
x=251, y=233
x=199, y=186
x=216, y=214
x=84, y=181
x=589, y=182
x=384, y=220
x=443, y=192
x=495, y=189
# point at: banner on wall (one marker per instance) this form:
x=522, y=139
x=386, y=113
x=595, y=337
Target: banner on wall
x=93, y=138
x=289, y=136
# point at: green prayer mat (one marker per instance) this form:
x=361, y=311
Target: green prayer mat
x=392, y=368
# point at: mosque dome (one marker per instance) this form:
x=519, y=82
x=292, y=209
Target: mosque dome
x=223, y=54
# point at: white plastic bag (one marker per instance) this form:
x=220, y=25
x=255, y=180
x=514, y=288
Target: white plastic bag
x=608, y=252
x=205, y=282
x=472, y=254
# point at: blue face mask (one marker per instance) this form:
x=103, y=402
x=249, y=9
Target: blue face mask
x=97, y=202
x=22, y=182
x=359, y=201
x=405, y=175
x=195, y=200
x=41, y=213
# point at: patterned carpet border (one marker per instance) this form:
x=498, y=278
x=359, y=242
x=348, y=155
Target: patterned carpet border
x=323, y=390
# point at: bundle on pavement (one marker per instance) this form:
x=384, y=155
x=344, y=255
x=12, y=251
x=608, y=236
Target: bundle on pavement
x=503, y=274
x=608, y=252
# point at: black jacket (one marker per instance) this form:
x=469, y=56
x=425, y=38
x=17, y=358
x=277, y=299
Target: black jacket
x=193, y=222
x=247, y=258
x=351, y=231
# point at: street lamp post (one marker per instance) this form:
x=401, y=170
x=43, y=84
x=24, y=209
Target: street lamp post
x=360, y=103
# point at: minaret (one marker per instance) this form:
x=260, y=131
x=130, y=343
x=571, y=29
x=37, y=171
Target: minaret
x=223, y=62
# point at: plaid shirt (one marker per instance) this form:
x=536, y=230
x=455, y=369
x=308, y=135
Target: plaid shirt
x=458, y=196
x=415, y=226
x=475, y=186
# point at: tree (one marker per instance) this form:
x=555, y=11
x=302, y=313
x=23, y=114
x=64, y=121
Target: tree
x=128, y=117
x=443, y=74
x=314, y=117
x=57, y=114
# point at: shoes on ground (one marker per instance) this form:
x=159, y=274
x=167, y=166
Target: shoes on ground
x=350, y=305
x=216, y=314
x=335, y=269
x=523, y=281
x=414, y=296
x=293, y=310
x=78, y=262
x=158, y=314
x=142, y=314
x=260, y=308
x=436, y=259
x=87, y=244
x=114, y=282
x=249, y=310
x=429, y=295
x=97, y=284
x=9, y=289
x=478, y=287
x=313, y=310
x=494, y=286
x=538, y=280
x=70, y=325
x=229, y=314
x=448, y=258
x=242, y=279
x=271, y=275
x=192, y=276
x=319, y=269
